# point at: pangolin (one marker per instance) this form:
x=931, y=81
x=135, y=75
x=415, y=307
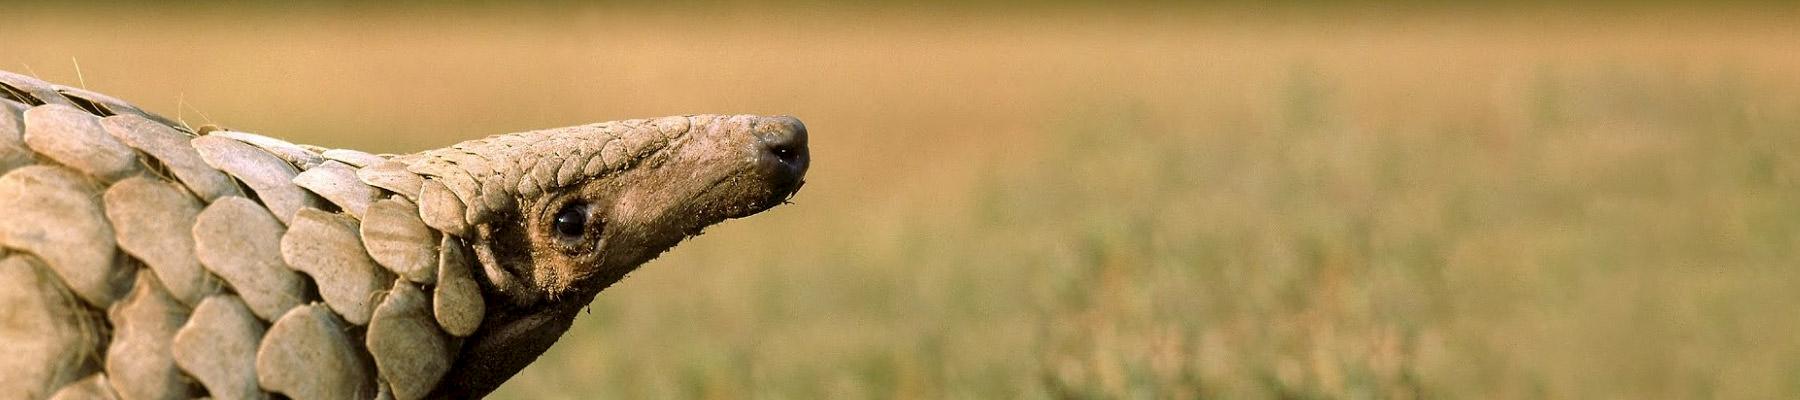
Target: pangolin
x=142, y=259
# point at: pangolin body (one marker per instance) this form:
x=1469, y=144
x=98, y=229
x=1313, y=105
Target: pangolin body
x=140, y=259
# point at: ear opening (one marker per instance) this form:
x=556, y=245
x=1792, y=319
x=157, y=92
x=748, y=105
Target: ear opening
x=495, y=275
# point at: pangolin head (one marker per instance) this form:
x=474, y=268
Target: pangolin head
x=585, y=235
x=582, y=206
x=660, y=181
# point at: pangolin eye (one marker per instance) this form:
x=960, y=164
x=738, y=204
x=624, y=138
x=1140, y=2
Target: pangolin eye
x=571, y=220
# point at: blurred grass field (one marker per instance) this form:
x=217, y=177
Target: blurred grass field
x=1235, y=202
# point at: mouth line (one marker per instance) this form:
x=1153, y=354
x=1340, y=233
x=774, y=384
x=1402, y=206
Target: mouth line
x=791, y=192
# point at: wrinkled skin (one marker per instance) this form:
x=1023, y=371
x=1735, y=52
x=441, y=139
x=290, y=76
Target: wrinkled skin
x=730, y=168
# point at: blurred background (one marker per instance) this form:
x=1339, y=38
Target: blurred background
x=1144, y=200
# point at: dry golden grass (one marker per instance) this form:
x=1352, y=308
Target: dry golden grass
x=1080, y=202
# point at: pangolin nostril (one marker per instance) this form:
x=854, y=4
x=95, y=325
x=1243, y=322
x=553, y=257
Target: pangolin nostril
x=786, y=141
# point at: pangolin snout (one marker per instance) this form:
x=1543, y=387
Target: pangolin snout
x=782, y=153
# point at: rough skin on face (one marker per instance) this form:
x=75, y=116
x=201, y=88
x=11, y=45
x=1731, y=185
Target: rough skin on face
x=144, y=259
